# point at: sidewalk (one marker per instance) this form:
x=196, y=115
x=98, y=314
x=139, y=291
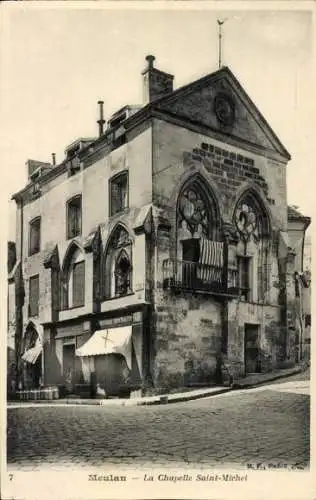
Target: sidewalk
x=256, y=379
x=252, y=380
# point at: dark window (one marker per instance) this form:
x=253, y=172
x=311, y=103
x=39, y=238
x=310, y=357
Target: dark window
x=35, y=236
x=34, y=296
x=122, y=274
x=118, y=193
x=244, y=282
x=308, y=320
x=78, y=284
x=74, y=217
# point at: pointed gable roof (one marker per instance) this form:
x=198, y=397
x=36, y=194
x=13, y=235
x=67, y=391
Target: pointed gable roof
x=195, y=102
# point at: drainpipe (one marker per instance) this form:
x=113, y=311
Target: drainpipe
x=101, y=120
x=19, y=301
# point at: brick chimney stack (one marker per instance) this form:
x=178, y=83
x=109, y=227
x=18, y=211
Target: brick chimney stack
x=156, y=83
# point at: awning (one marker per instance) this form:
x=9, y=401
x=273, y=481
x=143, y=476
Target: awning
x=110, y=341
x=32, y=354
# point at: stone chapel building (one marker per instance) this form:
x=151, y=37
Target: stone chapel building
x=156, y=252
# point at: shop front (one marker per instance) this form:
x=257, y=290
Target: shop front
x=98, y=357
x=111, y=359
x=32, y=358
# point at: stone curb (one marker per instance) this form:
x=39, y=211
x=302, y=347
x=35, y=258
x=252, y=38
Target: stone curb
x=276, y=376
x=157, y=400
x=171, y=398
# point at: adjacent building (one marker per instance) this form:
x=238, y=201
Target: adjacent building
x=157, y=254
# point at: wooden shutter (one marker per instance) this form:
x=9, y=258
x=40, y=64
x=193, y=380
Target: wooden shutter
x=74, y=217
x=35, y=230
x=78, y=284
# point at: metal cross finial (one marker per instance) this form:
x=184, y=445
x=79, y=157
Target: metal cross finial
x=220, y=23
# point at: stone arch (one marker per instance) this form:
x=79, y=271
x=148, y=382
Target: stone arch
x=197, y=196
x=252, y=197
x=73, y=247
x=74, y=255
x=33, y=332
x=32, y=355
x=117, y=263
x=252, y=220
x=256, y=192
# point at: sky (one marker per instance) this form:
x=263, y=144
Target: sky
x=57, y=61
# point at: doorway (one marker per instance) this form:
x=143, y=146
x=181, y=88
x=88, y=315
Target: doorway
x=69, y=351
x=190, y=259
x=252, y=361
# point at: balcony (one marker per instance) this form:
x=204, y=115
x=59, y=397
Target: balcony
x=192, y=276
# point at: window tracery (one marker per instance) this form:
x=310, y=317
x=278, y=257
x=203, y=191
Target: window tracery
x=118, y=267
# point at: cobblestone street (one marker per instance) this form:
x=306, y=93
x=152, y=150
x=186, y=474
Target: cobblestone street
x=267, y=425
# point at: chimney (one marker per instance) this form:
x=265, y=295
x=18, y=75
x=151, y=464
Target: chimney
x=101, y=120
x=54, y=159
x=156, y=83
x=34, y=165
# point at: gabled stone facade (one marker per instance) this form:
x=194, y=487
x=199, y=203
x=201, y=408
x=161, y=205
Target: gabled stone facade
x=198, y=233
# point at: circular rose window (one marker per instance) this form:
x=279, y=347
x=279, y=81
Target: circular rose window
x=224, y=109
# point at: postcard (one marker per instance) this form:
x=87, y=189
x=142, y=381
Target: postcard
x=158, y=176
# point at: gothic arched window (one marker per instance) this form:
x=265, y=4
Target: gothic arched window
x=253, y=226
x=122, y=274
x=251, y=219
x=197, y=211
x=118, y=264
x=73, y=278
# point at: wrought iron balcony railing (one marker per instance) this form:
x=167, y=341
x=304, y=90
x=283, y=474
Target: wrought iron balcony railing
x=193, y=276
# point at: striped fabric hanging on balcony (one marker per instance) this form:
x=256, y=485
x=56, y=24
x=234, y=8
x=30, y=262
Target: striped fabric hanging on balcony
x=211, y=260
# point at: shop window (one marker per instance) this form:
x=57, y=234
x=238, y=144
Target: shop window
x=34, y=296
x=35, y=236
x=74, y=217
x=118, y=193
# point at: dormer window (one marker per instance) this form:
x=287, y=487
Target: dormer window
x=74, y=217
x=118, y=193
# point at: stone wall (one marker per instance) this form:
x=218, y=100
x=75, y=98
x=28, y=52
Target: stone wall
x=93, y=183
x=188, y=328
x=187, y=340
x=178, y=153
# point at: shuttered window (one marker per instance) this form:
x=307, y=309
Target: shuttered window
x=34, y=296
x=35, y=236
x=74, y=210
x=118, y=193
x=78, y=274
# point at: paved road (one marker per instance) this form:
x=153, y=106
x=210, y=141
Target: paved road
x=267, y=425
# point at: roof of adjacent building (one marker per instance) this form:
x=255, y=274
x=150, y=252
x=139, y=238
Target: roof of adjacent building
x=294, y=215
